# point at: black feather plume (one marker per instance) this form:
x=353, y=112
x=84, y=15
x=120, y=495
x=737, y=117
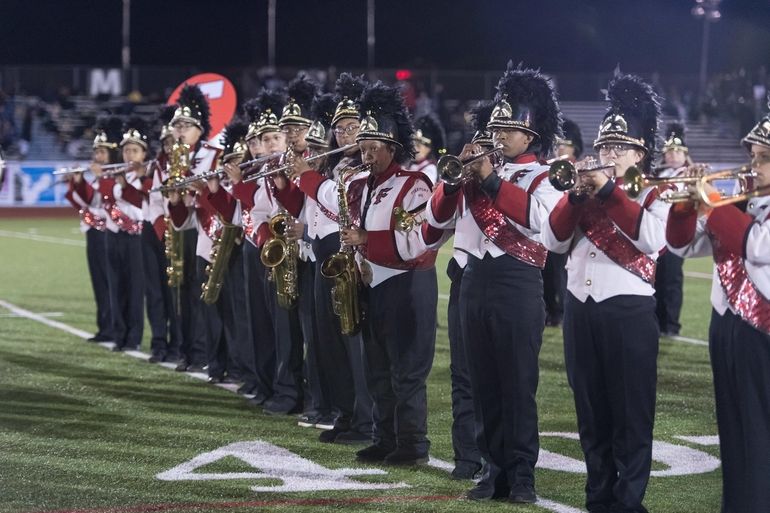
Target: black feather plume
x=234, y=131
x=431, y=128
x=349, y=86
x=572, y=133
x=302, y=90
x=528, y=87
x=252, y=108
x=166, y=114
x=675, y=130
x=480, y=114
x=387, y=106
x=191, y=96
x=112, y=126
x=272, y=100
x=323, y=109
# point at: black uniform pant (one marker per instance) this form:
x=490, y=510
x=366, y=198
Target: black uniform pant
x=235, y=316
x=188, y=305
x=611, y=351
x=399, y=341
x=669, y=279
x=463, y=420
x=316, y=392
x=739, y=361
x=126, y=277
x=287, y=381
x=209, y=332
x=166, y=333
x=96, y=254
x=502, y=315
x=263, y=336
x=341, y=357
x=554, y=287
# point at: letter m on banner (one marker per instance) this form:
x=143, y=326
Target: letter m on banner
x=105, y=81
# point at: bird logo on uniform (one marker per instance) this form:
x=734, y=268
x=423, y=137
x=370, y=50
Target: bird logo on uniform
x=381, y=195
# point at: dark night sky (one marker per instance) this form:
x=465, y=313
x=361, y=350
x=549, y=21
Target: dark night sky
x=557, y=35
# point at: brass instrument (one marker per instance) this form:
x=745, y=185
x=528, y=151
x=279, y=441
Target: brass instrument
x=406, y=221
x=220, y=257
x=565, y=176
x=217, y=173
x=341, y=266
x=635, y=182
x=107, y=170
x=279, y=254
x=178, y=166
x=452, y=170
x=287, y=167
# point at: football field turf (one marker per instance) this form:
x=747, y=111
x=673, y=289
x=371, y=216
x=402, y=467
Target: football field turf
x=83, y=429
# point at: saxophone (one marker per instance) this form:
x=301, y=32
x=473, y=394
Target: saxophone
x=341, y=266
x=280, y=255
x=179, y=164
x=220, y=257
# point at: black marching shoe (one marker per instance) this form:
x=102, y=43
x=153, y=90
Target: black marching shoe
x=465, y=470
x=100, y=338
x=375, y=453
x=523, y=494
x=352, y=437
x=155, y=358
x=119, y=349
x=406, y=456
x=486, y=490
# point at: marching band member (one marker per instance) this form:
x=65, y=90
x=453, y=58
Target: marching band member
x=555, y=274
x=258, y=197
x=497, y=217
x=93, y=222
x=429, y=145
x=669, y=276
x=191, y=126
x=610, y=330
x=162, y=315
x=739, y=334
x=124, y=247
x=341, y=359
x=401, y=290
x=295, y=122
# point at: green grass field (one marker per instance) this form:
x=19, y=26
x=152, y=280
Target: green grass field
x=82, y=428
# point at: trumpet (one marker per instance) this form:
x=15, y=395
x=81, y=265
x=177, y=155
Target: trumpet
x=286, y=167
x=564, y=175
x=452, y=170
x=635, y=183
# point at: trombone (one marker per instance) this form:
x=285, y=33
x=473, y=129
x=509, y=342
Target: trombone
x=286, y=167
x=452, y=170
x=635, y=182
x=565, y=176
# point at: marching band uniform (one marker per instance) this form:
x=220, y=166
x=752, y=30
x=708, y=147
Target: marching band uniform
x=93, y=222
x=296, y=116
x=739, y=334
x=341, y=360
x=195, y=212
x=430, y=143
x=497, y=223
x=399, y=326
x=613, y=242
x=669, y=276
x=555, y=273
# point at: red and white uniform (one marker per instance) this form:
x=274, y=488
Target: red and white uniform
x=126, y=207
x=613, y=244
x=89, y=206
x=426, y=167
x=196, y=211
x=511, y=224
x=372, y=198
x=739, y=243
x=98, y=196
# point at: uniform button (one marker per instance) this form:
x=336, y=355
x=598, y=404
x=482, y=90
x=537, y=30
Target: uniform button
x=486, y=241
x=593, y=255
x=751, y=205
x=588, y=282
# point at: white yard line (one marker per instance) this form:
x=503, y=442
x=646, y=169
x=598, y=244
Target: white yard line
x=43, y=238
x=42, y=314
x=696, y=274
x=546, y=504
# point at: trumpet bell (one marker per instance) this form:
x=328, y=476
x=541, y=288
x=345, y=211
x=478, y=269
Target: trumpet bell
x=450, y=168
x=562, y=175
x=633, y=182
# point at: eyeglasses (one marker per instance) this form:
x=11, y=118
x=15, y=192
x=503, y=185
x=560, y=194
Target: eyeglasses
x=183, y=125
x=350, y=130
x=291, y=130
x=619, y=149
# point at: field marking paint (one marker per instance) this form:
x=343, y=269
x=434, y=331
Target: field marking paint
x=42, y=314
x=687, y=340
x=21, y=312
x=297, y=474
x=696, y=274
x=43, y=238
x=707, y=440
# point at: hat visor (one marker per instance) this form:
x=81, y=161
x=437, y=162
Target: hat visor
x=187, y=119
x=619, y=139
x=377, y=136
x=753, y=139
x=294, y=120
x=511, y=125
